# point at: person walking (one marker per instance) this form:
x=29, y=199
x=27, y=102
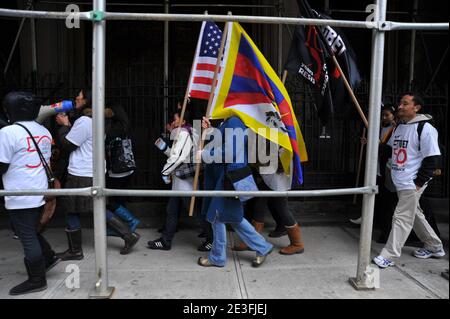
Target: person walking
x=220, y=211
x=415, y=158
x=25, y=149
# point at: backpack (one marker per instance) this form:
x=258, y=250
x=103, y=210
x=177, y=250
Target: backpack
x=120, y=155
x=438, y=171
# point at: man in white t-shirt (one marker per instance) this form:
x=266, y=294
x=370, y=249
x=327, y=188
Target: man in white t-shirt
x=414, y=161
x=22, y=168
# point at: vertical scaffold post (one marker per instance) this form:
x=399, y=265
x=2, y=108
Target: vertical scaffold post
x=101, y=289
x=367, y=275
x=280, y=39
x=413, y=48
x=166, y=68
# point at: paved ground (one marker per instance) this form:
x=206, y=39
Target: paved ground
x=321, y=272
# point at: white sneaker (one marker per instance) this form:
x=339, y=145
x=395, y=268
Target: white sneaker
x=424, y=253
x=383, y=262
x=356, y=221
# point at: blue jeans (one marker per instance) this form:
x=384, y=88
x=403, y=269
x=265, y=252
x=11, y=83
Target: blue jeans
x=248, y=234
x=25, y=223
x=73, y=221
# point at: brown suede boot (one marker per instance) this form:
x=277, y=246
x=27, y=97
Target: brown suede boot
x=296, y=246
x=259, y=227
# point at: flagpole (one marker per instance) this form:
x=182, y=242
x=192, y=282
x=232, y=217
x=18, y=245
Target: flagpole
x=186, y=94
x=361, y=152
x=350, y=91
x=283, y=78
x=208, y=109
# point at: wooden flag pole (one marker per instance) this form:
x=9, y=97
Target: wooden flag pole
x=283, y=78
x=359, y=163
x=186, y=94
x=352, y=94
x=208, y=109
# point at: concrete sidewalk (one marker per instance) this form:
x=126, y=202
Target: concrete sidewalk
x=322, y=271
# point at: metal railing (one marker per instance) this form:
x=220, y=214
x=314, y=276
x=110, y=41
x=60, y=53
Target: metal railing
x=364, y=275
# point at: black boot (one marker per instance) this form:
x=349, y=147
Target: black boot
x=125, y=232
x=75, y=252
x=49, y=255
x=36, y=279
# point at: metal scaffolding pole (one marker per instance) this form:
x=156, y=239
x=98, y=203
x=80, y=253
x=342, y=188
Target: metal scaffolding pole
x=386, y=26
x=366, y=274
x=88, y=191
x=280, y=39
x=166, y=68
x=33, y=53
x=101, y=289
x=413, y=48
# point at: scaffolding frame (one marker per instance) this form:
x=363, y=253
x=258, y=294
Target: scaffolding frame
x=365, y=272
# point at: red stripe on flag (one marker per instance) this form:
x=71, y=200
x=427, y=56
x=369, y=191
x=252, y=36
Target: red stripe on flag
x=206, y=67
x=199, y=94
x=285, y=112
x=294, y=145
x=245, y=98
x=202, y=80
x=245, y=68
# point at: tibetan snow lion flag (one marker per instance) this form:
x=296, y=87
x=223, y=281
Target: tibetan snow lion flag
x=249, y=88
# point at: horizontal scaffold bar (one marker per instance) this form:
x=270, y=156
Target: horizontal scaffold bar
x=93, y=191
x=383, y=25
x=86, y=191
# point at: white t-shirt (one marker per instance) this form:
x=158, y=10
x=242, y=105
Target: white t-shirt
x=406, y=158
x=25, y=169
x=80, y=161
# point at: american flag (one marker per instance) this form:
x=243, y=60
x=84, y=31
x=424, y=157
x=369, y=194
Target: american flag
x=208, y=46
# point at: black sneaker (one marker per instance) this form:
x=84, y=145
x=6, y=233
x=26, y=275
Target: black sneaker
x=206, y=246
x=202, y=235
x=159, y=243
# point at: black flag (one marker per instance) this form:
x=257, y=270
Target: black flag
x=340, y=47
x=307, y=59
x=331, y=93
